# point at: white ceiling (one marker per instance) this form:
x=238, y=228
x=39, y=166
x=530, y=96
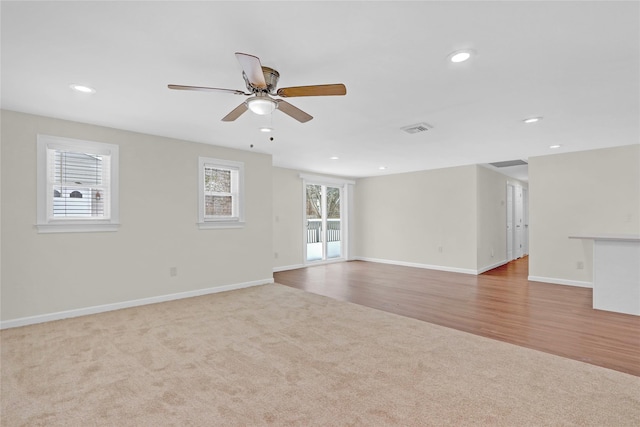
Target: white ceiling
x=574, y=63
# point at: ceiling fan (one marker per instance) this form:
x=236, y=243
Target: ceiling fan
x=261, y=83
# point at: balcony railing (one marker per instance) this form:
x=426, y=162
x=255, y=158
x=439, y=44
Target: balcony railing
x=314, y=230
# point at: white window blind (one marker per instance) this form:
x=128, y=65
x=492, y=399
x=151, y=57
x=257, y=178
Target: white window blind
x=77, y=185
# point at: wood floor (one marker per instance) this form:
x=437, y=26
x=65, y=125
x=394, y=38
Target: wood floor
x=500, y=304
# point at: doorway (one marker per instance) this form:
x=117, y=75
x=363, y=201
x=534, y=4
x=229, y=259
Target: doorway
x=323, y=222
x=517, y=222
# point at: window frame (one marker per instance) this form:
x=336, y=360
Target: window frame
x=45, y=223
x=237, y=221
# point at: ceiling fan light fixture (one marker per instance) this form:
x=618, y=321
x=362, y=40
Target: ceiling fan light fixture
x=261, y=105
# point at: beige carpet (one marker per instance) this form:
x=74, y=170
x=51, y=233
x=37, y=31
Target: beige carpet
x=272, y=355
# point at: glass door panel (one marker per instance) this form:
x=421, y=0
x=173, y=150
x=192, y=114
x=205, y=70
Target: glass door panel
x=323, y=222
x=334, y=226
x=314, y=223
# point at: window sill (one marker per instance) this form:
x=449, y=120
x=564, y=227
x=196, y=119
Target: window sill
x=210, y=225
x=76, y=228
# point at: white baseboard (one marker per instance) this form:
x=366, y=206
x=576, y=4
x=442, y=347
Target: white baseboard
x=418, y=265
x=492, y=266
x=287, y=267
x=402, y=263
x=31, y=320
x=557, y=281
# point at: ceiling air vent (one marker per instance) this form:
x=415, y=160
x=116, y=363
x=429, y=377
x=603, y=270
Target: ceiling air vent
x=508, y=163
x=420, y=127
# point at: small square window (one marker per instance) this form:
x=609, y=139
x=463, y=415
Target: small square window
x=77, y=185
x=220, y=198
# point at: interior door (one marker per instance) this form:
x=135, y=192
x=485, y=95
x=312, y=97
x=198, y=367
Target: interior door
x=518, y=212
x=525, y=215
x=510, y=225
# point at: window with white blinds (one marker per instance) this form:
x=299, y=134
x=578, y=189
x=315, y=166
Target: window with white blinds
x=77, y=185
x=221, y=198
x=80, y=184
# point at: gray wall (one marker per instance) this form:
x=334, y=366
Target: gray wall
x=49, y=273
x=407, y=218
x=288, y=217
x=425, y=218
x=404, y=218
x=587, y=192
x=450, y=219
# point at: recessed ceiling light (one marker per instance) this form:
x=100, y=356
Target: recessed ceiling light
x=265, y=129
x=382, y=168
x=555, y=146
x=532, y=119
x=334, y=158
x=460, y=55
x=82, y=88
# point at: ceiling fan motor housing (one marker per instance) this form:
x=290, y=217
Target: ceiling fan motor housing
x=271, y=78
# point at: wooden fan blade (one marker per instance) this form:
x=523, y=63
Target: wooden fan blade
x=207, y=89
x=252, y=69
x=292, y=111
x=317, y=90
x=235, y=113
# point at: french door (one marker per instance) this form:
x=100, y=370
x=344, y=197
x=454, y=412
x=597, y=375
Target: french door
x=323, y=222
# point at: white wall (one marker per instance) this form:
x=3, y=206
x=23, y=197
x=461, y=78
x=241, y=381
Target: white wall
x=1, y=114
x=425, y=218
x=50, y=273
x=588, y=192
x=288, y=217
x=492, y=218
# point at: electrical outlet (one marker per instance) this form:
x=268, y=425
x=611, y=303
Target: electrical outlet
x=580, y=265
x=173, y=271
x=440, y=249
